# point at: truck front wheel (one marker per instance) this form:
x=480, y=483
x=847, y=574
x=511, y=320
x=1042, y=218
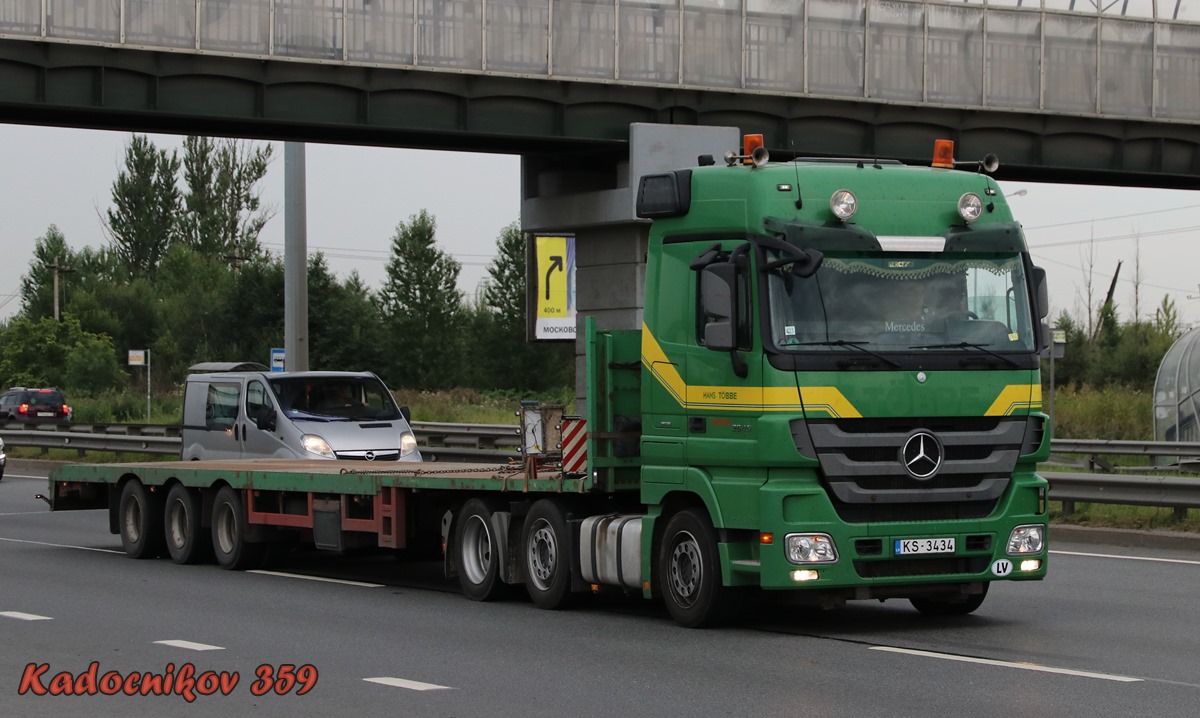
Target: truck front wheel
x=947, y=606
x=689, y=571
x=547, y=559
x=186, y=541
x=140, y=519
x=478, y=552
x=229, y=543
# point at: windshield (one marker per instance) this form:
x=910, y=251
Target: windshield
x=902, y=302
x=335, y=398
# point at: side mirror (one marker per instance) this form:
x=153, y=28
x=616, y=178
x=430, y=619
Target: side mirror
x=266, y=420
x=406, y=413
x=1041, y=294
x=809, y=264
x=717, y=283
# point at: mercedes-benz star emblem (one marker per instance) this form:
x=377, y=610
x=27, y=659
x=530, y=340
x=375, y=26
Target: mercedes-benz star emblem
x=369, y=456
x=921, y=455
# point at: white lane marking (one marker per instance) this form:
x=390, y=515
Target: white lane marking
x=190, y=645
x=318, y=578
x=62, y=545
x=24, y=616
x=1009, y=664
x=410, y=685
x=1129, y=558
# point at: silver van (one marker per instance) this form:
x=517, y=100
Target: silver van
x=233, y=411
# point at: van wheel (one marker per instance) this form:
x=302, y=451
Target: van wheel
x=139, y=516
x=690, y=571
x=477, y=550
x=229, y=543
x=186, y=540
x=546, y=550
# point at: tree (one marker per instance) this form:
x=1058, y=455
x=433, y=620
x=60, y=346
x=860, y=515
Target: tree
x=344, y=325
x=37, y=287
x=43, y=352
x=143, y=222
x=223, y=213
x=421, y=308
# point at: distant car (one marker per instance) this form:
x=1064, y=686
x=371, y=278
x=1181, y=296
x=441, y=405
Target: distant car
x=25, y=404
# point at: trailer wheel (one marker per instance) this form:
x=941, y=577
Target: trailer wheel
x=185, y=538
x=229, y=543
x=690, y=571
x=547, y=559
x=941, y=606
x=140, y=519
x=477, y=551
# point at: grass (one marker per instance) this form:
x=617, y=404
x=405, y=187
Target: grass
x=1113, y=516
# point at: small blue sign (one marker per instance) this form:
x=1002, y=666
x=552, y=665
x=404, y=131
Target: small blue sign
x=276, y=359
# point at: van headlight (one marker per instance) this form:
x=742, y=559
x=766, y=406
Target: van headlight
x=314, y=444
x=408, y=444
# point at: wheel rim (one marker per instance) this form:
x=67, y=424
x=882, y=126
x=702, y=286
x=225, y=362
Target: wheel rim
x=226, y=530
x=133, y=520
x=687, y=572
x=543, y=555
x=177, y=523
x=476, y=549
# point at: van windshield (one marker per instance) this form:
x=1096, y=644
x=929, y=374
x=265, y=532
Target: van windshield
x=335, y=398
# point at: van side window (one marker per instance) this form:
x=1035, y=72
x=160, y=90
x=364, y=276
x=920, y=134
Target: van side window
x=221, y=406
x=258, y=404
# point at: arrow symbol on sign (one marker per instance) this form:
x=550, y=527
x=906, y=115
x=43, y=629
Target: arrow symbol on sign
x=556, y=262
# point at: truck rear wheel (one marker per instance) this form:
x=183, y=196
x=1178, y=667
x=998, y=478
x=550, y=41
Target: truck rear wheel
x=546, y=551
x=185, y=538
x=689, y=571
x=229, y=543
x=946, y=606
x=139, y=517
x=477, y=549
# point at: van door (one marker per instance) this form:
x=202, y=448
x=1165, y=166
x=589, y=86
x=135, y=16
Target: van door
x=256, y=442
x=221, y=412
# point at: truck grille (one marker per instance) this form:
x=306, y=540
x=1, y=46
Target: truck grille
x=864, y=471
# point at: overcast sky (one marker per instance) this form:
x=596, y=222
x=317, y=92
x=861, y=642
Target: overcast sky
x=357, y=195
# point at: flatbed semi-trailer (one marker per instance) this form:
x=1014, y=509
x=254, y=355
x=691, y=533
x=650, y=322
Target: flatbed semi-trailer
x=834, y=393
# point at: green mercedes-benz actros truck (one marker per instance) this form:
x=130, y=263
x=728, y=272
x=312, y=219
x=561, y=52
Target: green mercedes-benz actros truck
x=835, y=395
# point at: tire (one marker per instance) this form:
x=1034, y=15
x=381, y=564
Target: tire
x=690, y=571
x=139, y=518
x=545, y=547
x=186, y=540
x=956, y=606
x=477, y=555
x=229, y=543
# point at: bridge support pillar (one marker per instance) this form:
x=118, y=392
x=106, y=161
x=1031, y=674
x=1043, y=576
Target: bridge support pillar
x=593, y=197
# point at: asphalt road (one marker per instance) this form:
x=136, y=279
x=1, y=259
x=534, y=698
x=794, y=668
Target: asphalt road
x=1111, y=632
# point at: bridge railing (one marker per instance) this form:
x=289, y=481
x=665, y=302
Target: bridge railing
x=500, y=443
x=1136, y=59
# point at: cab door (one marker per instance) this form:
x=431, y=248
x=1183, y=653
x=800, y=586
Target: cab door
x=261, y=442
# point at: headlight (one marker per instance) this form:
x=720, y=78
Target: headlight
x=1026, y=539
x=408, y=444
x=844, y=204
x=970, y=207
x=314, y=444
x=810, y=548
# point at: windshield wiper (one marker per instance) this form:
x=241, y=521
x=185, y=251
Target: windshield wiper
x=853, y=345
x=969, y=345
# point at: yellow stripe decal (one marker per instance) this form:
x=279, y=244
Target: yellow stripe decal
x=1015, y=397
x=825, y=399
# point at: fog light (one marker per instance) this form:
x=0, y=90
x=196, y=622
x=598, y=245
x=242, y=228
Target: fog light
x=970, y=207
x=805, y=574
x=1031, y=564
x=844, y=204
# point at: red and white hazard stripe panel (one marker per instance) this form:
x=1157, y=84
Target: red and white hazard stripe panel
x=574, y=445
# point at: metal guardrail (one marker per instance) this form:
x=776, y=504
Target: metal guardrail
x=437, y=441
x=501, y=442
